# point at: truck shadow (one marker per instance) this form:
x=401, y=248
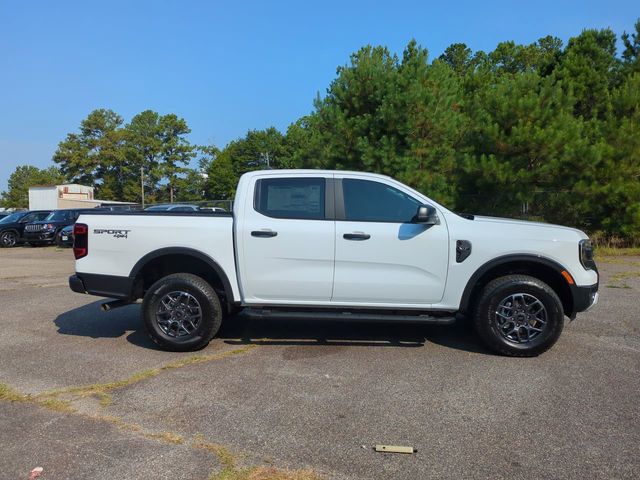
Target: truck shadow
x=90, y=321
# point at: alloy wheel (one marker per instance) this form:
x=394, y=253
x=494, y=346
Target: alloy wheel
x=521, y=317
x=178, y=314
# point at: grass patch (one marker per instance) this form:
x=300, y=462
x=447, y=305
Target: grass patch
x=8, y=394
x=231, y=471
x=166, y=437
x=102, y=390
x=616, y=252
x=619, y=278
x=272, y=473
x=55, y=404
x=223, y=454
x=621, y=260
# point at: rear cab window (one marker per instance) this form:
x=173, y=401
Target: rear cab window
x=294, y=198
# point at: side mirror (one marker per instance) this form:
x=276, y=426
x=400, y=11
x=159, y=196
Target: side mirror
x=426, y=215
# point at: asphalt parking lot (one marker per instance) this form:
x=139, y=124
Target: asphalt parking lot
x=84, y=394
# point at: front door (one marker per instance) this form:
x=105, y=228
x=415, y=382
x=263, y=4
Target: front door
x=287, y=236
x=381, y=257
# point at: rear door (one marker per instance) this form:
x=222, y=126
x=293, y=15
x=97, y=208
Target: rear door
x=286, y=240
x=381, y=256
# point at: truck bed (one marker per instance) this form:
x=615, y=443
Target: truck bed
x=120, y=240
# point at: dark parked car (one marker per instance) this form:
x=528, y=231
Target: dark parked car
x=44, y=232
x=64, y=238
x=12, y=227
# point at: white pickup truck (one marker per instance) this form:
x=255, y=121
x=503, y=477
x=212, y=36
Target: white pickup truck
x=330, y=244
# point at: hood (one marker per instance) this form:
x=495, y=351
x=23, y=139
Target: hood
x=527, y=223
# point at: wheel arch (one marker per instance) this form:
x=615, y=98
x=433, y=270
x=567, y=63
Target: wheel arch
x=545, y=269
x=165, y=261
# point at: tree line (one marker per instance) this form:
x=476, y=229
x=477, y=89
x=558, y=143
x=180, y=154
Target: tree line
x=548, y=130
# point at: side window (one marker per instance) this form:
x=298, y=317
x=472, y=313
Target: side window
x=41, y=216
x=368, y=201
x=301, y=198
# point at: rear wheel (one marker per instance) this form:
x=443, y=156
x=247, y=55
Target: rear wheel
x=519, y=315
x=9, y=239
x=181, y=312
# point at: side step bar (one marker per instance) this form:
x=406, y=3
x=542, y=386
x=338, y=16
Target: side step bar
x=347, y=316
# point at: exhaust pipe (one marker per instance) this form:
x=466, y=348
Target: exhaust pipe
x=114, y=304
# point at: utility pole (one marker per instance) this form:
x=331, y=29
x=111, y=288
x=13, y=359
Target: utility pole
x=267, y=159
x=142, y=183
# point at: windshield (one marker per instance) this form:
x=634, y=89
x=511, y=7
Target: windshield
x=61, y=216
x=14, y=217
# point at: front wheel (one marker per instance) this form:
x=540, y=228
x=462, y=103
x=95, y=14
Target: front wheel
x=181, y=312
x=9, y=239
x=519, y=316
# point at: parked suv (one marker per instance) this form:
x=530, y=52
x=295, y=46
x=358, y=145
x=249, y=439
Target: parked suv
x=12, y=226
x=44, y=232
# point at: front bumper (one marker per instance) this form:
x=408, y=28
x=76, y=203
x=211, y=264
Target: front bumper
x=584, y=298
x=40, y=237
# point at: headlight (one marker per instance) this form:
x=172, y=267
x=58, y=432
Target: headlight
x=48, y=227
x=586, y=254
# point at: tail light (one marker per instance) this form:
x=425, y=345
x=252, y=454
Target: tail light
x=80, y=240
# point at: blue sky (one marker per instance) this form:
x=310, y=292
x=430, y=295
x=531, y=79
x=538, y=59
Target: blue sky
x=227, y=67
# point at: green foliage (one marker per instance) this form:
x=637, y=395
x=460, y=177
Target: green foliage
x=113, y=157
x=549, y=129
x=631, y=53
x=95, y=154
x=552, y=131
x=258, y=150
x=25, y=176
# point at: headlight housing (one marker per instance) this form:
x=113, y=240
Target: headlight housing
x=585, y=250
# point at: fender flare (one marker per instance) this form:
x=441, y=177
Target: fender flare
x=140, y=264
x=473, y=280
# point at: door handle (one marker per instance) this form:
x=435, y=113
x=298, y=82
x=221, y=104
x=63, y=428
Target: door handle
x=263, y=233
x=356, y=236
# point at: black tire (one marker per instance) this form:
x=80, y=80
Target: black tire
x=495, y=297
x=9, y=239
x=171, y=334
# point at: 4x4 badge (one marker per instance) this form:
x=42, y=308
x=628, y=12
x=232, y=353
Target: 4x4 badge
x=116, y=233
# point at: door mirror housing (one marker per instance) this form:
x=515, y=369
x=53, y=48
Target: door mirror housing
x=426, y=215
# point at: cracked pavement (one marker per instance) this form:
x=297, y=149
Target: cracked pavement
x=310, y=395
